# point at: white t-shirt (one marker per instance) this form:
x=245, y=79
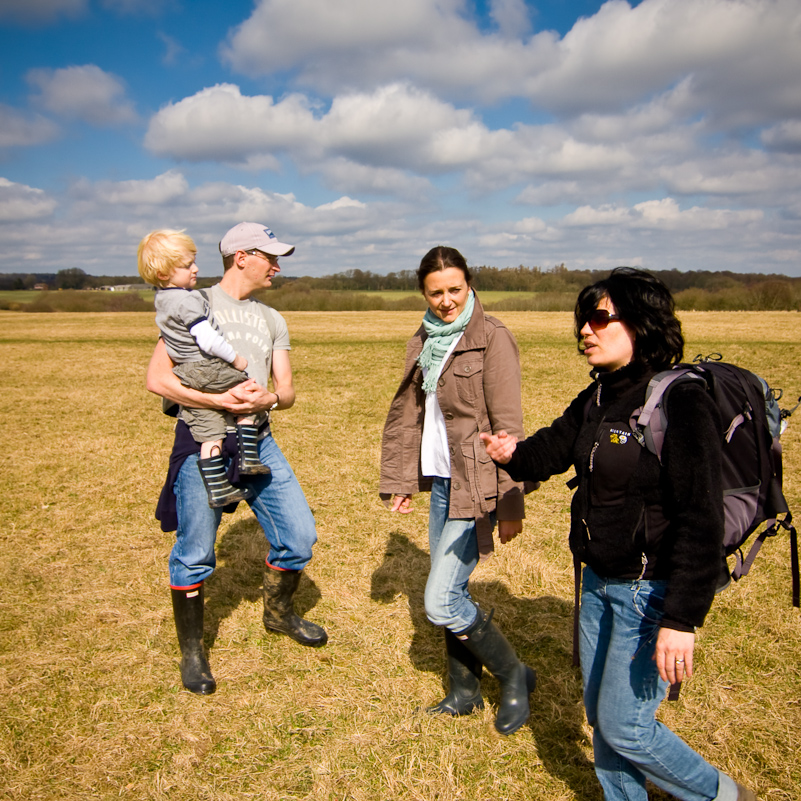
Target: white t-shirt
x=435, y=458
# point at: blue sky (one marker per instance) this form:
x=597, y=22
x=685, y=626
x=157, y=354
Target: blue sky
x=664, y=133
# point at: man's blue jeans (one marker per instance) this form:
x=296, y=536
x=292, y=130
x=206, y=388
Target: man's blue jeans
x=453, y=546
x=278, y=503
x=619, y=624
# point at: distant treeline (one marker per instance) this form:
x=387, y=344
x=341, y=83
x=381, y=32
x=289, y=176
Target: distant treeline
x=556, y=288
x=553, y=289
x=531, y=279
x=72, y=278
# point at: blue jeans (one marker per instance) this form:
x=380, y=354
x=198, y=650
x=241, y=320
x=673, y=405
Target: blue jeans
x=619, y=623
x=453, y=546
x=278, y=503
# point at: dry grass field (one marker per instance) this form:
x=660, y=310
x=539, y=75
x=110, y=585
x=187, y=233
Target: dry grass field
x=91, y=704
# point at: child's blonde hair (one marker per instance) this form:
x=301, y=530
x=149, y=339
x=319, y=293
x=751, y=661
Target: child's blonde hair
x=161, y=252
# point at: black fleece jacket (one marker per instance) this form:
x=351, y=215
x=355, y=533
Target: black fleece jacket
x=630, y=516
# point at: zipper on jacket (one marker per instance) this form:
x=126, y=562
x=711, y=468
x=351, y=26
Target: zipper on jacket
x=587, y=529
x=644, y=559
x=592, y=455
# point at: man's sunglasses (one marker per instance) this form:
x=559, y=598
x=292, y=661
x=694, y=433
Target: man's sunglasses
x=600, y=318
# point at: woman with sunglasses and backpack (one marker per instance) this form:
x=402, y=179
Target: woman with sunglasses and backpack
x=462, y=377
x=650, y=535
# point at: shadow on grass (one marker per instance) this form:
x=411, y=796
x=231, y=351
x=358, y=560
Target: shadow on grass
x=241, y=551
x=540, y=629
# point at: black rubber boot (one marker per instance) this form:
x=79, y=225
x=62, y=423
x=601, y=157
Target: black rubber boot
x=221, y=491
x=464, y=677
x=279, y=614
x=486, y=641
x=247, y=438
x=187, y=607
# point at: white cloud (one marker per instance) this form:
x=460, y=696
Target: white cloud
x=380, y=131
x=362, y=44
x=381, y=128
x=734, y=172
x=219, y=123
x=160, y=191
x=344, y=175
x=374, y=143
x=384, y=127
x=530, y=226
x=86, y=93
x=664, y=214
x=622, y=55
x=20, y=129
x=19, y=202
x=511, y=17
x=285, y=33
x=665, y=112
x=619, y=56
x=99, y=224
x=553, y=193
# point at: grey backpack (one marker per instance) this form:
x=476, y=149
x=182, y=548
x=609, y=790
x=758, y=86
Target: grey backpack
x=751, y=455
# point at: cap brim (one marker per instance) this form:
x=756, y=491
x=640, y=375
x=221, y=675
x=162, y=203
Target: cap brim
x=279, y=249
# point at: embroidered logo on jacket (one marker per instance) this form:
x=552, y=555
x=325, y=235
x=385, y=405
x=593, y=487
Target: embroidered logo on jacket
x=617, y=437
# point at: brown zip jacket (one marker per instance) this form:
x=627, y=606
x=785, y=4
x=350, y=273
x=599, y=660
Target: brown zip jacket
x=478, y=391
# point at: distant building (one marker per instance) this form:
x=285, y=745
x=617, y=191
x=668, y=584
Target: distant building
x=41, y=287
x=125, y=287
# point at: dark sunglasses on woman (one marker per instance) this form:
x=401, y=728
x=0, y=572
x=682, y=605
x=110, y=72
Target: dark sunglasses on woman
x=601, y=318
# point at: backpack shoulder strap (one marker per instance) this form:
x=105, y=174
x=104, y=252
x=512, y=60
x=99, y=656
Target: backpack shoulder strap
x=650, y=421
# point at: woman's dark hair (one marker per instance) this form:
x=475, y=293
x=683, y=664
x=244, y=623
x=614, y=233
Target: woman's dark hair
x=440, y=258
x=646, y=306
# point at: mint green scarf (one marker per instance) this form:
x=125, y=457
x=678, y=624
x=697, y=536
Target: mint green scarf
x=441, y=336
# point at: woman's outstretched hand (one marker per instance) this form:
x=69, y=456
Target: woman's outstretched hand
x=500, y=446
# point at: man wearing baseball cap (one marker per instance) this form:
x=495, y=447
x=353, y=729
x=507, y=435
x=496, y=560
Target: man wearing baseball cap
x=250, y=254
x=253, y=236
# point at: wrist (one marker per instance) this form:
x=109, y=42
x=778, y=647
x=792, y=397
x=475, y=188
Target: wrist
x=277, y=401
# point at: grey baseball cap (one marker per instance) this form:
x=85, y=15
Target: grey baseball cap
x=253, y=236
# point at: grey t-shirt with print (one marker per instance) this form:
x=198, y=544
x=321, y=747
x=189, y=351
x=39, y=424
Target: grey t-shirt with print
x=177, y=310
x=254, y=330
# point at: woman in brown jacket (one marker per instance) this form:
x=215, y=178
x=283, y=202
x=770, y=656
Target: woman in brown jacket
x=462, y=378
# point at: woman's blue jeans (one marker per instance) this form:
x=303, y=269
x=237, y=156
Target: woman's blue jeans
x=453, y=546
x=278, y=503
x=619, y=623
